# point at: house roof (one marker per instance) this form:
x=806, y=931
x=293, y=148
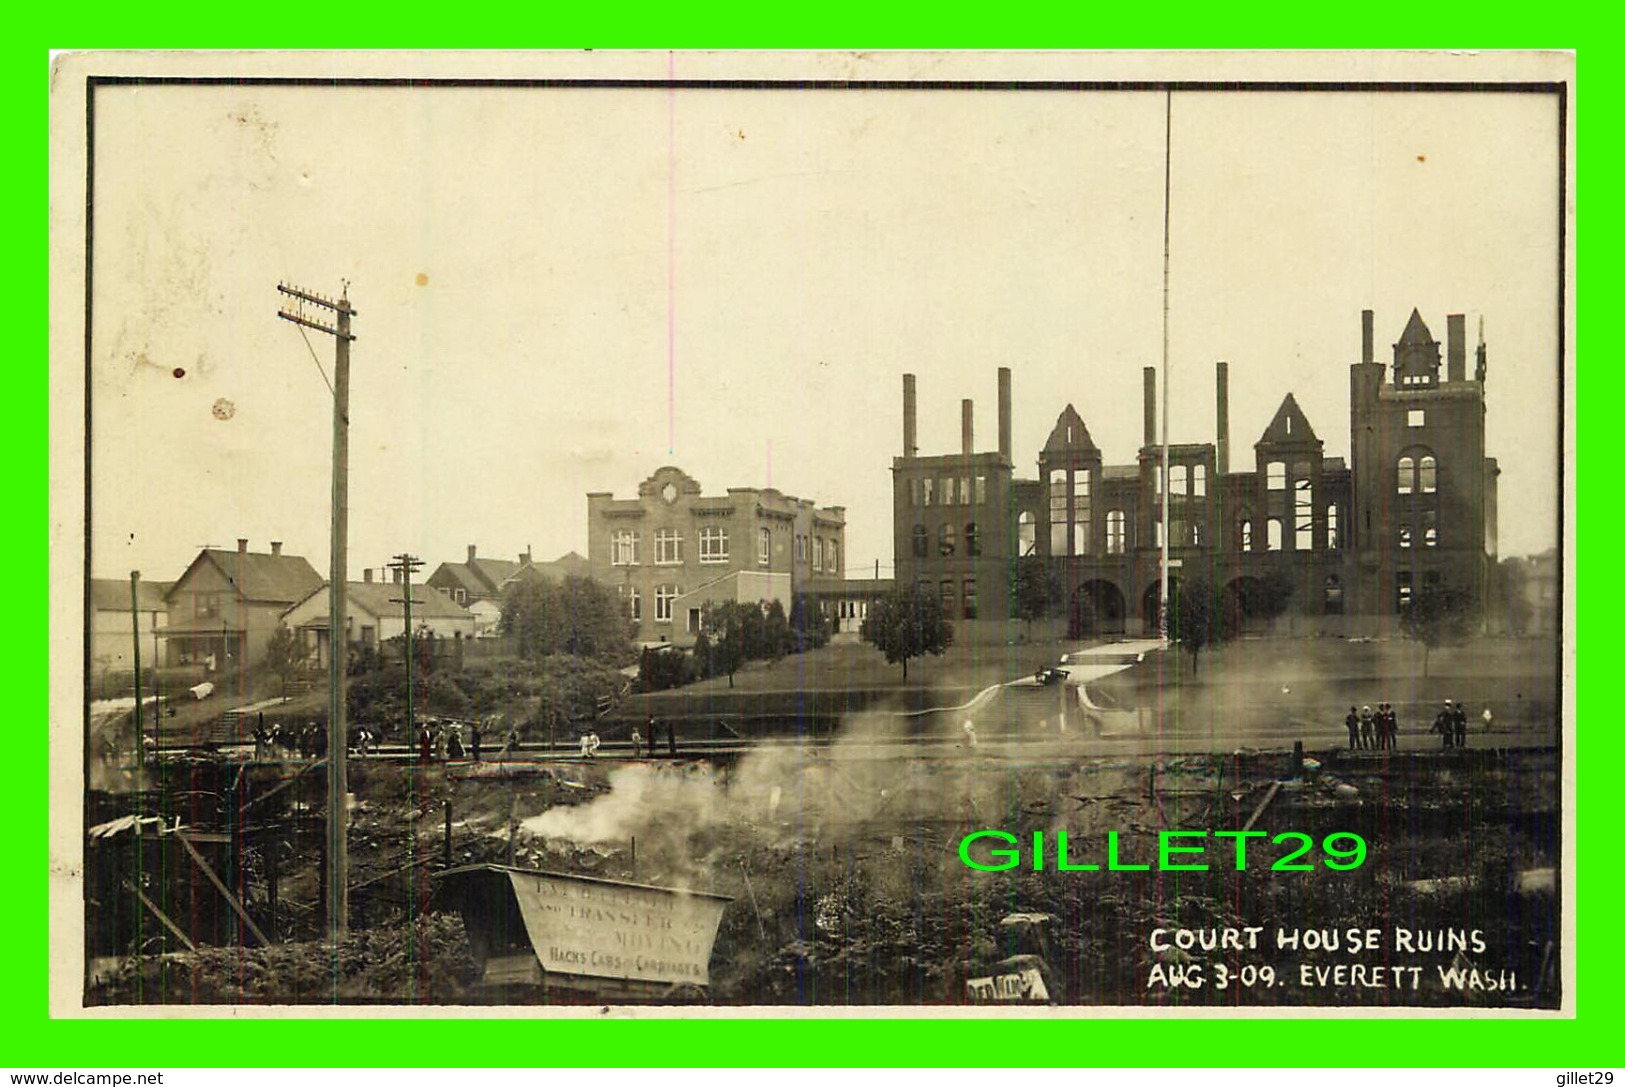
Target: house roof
x=566, y=565
x=483, y=577
x=382, y=599
x=113, y=594
x=274, y=579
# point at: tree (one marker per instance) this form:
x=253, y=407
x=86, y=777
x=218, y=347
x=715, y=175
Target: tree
x=285, y=655
x=809, y=623
x=776, y=636
x=1437, y=615
x=1035, y=589
x=577, y=616
x=1192, y=618
x=908, y=622
x=735, y=632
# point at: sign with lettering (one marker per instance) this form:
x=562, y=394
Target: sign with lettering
x=598, y=928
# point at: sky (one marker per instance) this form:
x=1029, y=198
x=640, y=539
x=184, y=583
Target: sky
x=562, y=290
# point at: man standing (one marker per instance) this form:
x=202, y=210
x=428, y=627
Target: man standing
x=637, y=743
x=1368, y=729
x=1460, y=722
x=1445, y=724
x=1352, y=723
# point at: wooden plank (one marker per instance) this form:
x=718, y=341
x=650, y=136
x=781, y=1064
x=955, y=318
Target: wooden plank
x=158, y=913
x=1275, y=787
x=225, y=891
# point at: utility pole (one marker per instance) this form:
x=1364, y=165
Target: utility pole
x=407, y=564
x=338, y=785
x=1167, y=177
x=135, y=644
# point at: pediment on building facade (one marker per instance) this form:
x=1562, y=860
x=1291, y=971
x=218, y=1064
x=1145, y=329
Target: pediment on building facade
x=670, y=484
x=1289, y=426
x=1070, y=435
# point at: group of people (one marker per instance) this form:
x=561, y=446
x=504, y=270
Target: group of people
x=1379, y=730
x=447, y=744
x=653, y=740
x=1373, y=730
x=275, y=742
x=1451, y=724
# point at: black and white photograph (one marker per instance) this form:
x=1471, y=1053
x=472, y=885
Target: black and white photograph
x=818, y=533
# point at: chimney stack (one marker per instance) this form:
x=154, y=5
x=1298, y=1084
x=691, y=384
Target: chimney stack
x=967, y=426
x=1368, y=336
x=1456, y=346
x=524, y=556
x=470, y=552
x=1150, y=406
x=1004, y=412
x=366, y=575
x=242, y=545
x=1222, y=406
x=276, y=547
x=910, y=445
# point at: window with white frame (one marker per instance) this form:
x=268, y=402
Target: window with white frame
x=964, y=491
x=1273, y=537
x=1116, y=532
x=1026, y=533
x=1177, y=479
x=1405, y=474
x=981, y=489
x=1416, y=417
x=832, y=557
x=1199, y=480
x=764, y=547
x=926, y=486
x=1331, y=527
x=634, y=603
x=664, y=597
x=1275, y=475
x=818, y=553
x=713, y=544
x=624, y=548
x=668, y=547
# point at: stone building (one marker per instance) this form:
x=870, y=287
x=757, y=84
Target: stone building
x=1414, y=504
x=672, y=549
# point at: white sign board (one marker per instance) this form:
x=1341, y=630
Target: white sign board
x=596, y=928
